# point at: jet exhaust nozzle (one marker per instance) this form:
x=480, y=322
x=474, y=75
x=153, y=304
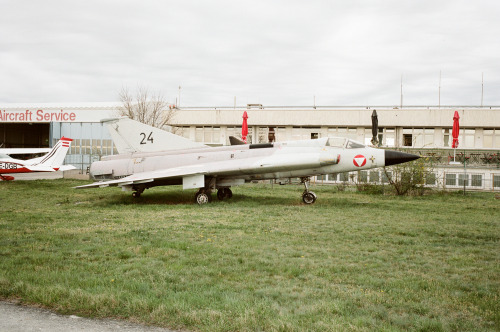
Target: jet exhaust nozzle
x=395, y=157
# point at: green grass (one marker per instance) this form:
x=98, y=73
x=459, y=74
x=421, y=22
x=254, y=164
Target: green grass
x=260, y=261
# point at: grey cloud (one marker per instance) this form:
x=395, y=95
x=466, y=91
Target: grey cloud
x=276, y=53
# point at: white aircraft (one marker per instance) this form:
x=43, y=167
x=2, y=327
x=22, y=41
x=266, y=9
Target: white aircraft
x=50, y=162
x=195, y=165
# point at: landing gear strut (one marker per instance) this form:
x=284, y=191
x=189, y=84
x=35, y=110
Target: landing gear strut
x=138, y=191
x=308, y=197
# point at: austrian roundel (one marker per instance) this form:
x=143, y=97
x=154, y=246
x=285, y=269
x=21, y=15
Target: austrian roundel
x=359, y=160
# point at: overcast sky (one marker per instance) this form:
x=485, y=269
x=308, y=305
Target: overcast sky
x=269, y=52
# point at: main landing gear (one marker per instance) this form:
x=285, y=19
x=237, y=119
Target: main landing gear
x=223, y=193
x=204, y=195
x=138, y=190
x=308, y=197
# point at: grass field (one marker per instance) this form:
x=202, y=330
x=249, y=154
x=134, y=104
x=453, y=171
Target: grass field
x=260, y=261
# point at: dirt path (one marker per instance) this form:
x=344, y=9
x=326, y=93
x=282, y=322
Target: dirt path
x=18, y=318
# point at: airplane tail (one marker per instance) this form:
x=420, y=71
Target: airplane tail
x=132, y=136
x=53, y=160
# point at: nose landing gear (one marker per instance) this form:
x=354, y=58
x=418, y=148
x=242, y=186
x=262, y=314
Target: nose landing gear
x=308, y=197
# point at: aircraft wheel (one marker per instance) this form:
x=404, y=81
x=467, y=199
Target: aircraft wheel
x=136, y=194
x=221, y=194
x=228, y=193
x=309, y=197
x=202, y=198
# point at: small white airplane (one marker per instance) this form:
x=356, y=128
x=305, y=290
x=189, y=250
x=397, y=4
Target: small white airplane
x=50, y=162
x=153, y=157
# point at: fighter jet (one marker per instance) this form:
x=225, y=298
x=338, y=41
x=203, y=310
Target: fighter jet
x=50, y=162
x=195, y=166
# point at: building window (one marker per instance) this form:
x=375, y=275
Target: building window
x=496, y=181
x=407, y=140
x=476, y=180
x=374, y=176
x=236, y=132
x=333, y=177
x=86, y=149
x=467, y=138
x=280, y=134
x=199, y=134
x=106, y=147
x=446, y=137
x=363, y=176
x=491, y=138
x=386, y=136
x=96, y=146
x=428, y=137
x=390, y=137
x=75, y=146
x=463, y=180
x=368, y=136
x=207, y=134
x=418, y=137
x=386, y=176
x=263, y=135
x=271, y=135
x=303, y=133
x=344, y=177
x=181, y=131
x=351, y=133
x=430, y=179
x=451, y=180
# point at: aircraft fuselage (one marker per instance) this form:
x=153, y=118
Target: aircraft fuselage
x=247, y=162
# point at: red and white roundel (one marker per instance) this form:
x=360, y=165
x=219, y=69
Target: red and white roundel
x=359, y=160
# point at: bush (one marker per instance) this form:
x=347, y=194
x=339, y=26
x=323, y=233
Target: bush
x=408, y=178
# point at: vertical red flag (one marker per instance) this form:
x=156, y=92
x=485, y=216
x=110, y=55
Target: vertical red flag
x=456, y=130
x=244, y=127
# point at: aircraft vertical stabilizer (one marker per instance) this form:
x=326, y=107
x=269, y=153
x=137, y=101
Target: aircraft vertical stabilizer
x=131, y=136
x=53, y=160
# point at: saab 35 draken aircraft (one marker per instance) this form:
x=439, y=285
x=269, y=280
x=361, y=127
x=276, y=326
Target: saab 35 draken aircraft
x=50, y=162
x=152, y=157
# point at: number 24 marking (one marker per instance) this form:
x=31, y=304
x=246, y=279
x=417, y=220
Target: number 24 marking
x=149, y=138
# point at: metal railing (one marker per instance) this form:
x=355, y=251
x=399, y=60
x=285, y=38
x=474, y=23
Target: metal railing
x=489, y=158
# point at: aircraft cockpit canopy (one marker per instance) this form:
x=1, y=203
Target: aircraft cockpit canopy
x=336, y=142
x=354, y=145
x=342, y=142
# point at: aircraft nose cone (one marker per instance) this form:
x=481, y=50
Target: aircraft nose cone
x=396, y=157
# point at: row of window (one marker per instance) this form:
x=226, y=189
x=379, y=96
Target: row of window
x=100, y=147
x=411, y=137
x=450, y=179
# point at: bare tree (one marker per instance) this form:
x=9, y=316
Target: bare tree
x=146, y=107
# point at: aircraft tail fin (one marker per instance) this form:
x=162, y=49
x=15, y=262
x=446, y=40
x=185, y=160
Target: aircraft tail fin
x=54, y=159
x=132, y=136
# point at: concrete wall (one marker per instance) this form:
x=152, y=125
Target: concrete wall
x=388, y=117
